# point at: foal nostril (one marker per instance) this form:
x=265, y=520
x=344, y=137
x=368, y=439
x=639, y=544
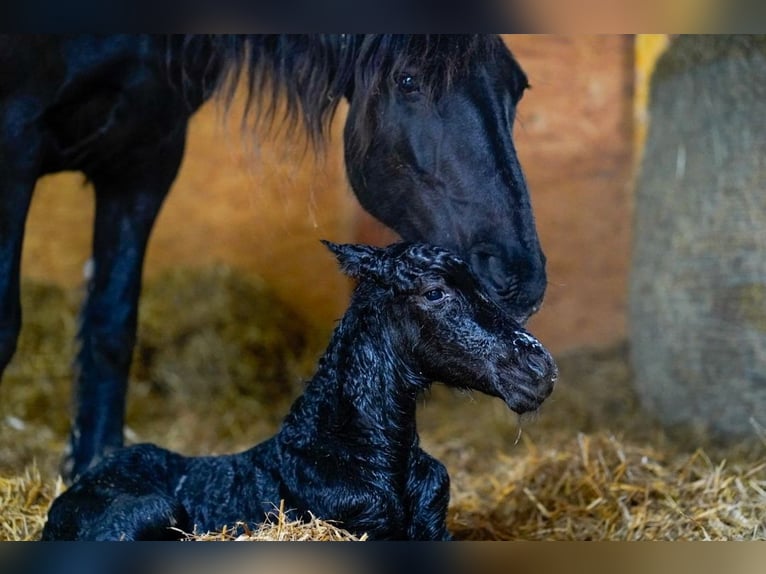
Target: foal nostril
x=536, y=359
x=539, y=366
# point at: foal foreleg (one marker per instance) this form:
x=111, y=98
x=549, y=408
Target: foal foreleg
x=123, y=517
x=427, y=498
x=127, y=204
x=129, y=495
x=149, y=517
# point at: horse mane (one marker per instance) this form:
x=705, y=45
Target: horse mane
x=313, y=72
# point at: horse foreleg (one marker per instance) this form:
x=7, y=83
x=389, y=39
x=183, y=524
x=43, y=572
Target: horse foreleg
x=127, y=204
x=15, y=196
x=19, y=168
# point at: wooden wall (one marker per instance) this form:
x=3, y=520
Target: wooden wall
x=264, y=209
x=574, y=140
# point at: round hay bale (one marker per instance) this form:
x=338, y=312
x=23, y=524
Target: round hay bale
x=697, y=301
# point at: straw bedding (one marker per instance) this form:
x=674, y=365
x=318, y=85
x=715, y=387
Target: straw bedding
x=590, y=466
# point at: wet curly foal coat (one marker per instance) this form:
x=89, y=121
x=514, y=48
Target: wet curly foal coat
x=348, y=449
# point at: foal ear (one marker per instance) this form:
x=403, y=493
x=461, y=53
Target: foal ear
x=356, y=260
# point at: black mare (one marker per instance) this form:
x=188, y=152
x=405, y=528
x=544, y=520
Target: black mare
x=428, y=148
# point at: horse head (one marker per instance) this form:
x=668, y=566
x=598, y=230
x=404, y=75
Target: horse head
x=430, y=153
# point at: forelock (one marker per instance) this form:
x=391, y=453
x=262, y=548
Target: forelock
x=407, y=262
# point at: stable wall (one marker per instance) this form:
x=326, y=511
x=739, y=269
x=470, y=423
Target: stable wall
x=574, y=139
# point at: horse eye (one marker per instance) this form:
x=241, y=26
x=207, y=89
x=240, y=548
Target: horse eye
x=434, y=295
x=407, y=84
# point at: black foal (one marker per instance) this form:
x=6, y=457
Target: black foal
x=348, y=449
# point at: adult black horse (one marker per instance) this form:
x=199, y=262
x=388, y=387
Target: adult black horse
x=428, y=149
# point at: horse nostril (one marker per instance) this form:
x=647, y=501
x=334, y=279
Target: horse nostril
x=498, y=272
x=516, y=282
x=491, y=270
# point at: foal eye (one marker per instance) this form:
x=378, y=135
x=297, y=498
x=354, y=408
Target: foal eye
x=434, y=295
x=407, y=84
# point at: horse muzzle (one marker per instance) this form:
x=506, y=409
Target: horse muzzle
x=517, y=283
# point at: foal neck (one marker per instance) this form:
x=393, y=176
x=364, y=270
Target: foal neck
x=362, y=394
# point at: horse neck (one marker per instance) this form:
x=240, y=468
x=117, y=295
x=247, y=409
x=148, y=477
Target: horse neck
x=362, y=393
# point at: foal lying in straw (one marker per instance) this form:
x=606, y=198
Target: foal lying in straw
x=348, y=449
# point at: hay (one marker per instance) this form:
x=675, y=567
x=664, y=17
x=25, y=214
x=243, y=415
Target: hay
x=213, y=330
x=590, y=466
x=46, y=345
x=279, y=528
x=596, y=487
x=25, y=499
x=591, y=487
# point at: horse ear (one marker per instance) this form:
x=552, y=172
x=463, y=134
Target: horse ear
x=356, y=260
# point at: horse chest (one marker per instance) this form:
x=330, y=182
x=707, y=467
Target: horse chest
x=115, y=99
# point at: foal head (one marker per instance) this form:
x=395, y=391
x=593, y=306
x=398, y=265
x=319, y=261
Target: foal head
x=444, y=327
